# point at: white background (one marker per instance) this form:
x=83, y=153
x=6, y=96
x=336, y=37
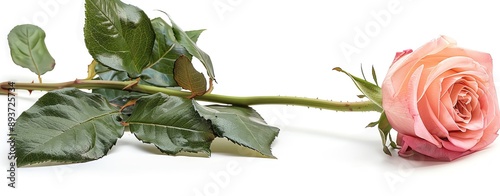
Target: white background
x=268, y=48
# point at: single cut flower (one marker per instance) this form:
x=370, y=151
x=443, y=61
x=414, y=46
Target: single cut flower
x=441, y=100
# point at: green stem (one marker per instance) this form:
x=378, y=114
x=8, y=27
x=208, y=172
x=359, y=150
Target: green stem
x=362, y=106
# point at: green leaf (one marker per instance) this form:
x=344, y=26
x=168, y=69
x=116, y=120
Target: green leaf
x=241, y=125
x=188, y=78
x=171, y=124
x=184, y=39
x=165, y=51
x=363, y=72
x=118, y=35
x=392, y=143
x=372, y=124
x=194, y=34
x=159, y=76
x=123, y=102
x=372, y=91
x=361, y=96
x=67, y=125
x=374, y=76
x=384, y=129
x=28, y=49
x=111, y=94
x=106, y=73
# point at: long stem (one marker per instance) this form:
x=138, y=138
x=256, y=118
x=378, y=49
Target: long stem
x=362, y=106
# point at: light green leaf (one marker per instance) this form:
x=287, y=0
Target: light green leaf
x=392, y=143
x=384, y=129
x=194, y=34
x=241, y=125
x=165, y=51
x=374, y=76
x=372, y=124
x=28, y=49
x=363, y=72
x=185, y=40
x=171, y=124
x=67, y=125
x=188, y=78
x=118, y=35
x=372, y=91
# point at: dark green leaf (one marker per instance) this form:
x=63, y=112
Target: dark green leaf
x=67, y=125
x=118, y=35
x=106, y=73
x=384, y=128
x=123, y=102
x=113, y=93
x=171, y=124
x=165, y=51
x=188, y=78
x=163, y=78
x=242, y=125
x=28, y=49
x=372, y=91
x=184, y=39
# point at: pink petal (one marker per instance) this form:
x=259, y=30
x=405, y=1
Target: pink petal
x=401, y=54
x=401, y=69
x=492, y=125
x=462, y=142
x=418, y=127
x=430, y=120
x=412, y=144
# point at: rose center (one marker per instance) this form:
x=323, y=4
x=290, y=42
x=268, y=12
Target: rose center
x=463, y=107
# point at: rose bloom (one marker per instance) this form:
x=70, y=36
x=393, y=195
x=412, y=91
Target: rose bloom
x=441, y=100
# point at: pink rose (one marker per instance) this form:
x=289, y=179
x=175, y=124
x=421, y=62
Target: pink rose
x=441, y=100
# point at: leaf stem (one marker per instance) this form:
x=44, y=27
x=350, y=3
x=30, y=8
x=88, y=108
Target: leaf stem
x=362, y=106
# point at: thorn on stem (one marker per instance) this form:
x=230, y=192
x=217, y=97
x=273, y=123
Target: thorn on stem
x=30, y=91
x=77, y=81
x=129, y=103
x=129, y=87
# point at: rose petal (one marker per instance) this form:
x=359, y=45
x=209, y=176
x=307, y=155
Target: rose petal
x=401, y=69
x=421, y=146
x=401, y=54
x=442, y=70
x=430, y=120
x=418, y=126
x=464, y=143
x=446, y=112
x=452, y=147
x=492, y=118
x=476, y=122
